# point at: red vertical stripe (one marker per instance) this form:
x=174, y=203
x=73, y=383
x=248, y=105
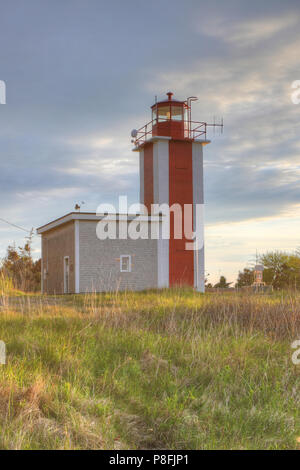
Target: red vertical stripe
x=181, y=267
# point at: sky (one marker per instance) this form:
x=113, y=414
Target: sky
x=81, y=74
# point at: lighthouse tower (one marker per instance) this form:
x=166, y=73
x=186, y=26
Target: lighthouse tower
x=170, y=147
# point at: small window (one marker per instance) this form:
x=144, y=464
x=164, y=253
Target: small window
x=125, y=263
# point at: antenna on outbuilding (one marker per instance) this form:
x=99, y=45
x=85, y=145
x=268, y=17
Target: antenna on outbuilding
x=78, y=207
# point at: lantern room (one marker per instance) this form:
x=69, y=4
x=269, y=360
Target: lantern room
x=172, y=118
x=168, y=118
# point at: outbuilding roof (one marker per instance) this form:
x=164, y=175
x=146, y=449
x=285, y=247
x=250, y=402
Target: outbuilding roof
x=94, y=216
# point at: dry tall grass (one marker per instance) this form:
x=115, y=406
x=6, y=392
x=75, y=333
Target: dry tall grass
x=159, y=369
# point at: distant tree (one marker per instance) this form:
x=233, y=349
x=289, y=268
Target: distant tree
x=19, y=266
x=245, y=278
x=222, y=284
x=282, y=270
x=207, y=284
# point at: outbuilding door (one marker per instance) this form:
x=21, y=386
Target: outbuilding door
x=66, y=274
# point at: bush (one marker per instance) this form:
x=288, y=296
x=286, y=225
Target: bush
x=20, y=269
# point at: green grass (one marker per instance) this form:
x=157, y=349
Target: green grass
x=164, y=370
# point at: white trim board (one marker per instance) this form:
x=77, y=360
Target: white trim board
x=77, y=257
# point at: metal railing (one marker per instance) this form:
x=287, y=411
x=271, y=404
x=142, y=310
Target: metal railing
x=192, y=130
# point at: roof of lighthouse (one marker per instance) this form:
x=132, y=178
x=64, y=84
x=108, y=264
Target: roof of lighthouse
x=169, y=100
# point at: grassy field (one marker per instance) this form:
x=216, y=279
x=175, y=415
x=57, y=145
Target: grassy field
x=164, y=370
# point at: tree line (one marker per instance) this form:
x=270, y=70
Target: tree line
x=281, y=270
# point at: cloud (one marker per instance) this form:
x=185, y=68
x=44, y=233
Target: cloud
x=252, y=170
x=79, y=79
x=231, y=247
x=248, y=33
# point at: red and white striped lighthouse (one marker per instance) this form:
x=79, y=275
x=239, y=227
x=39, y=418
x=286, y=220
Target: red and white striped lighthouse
x=171, y=172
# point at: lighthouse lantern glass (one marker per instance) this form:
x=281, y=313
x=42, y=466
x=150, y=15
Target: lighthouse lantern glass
x=154, y=115
x=177, y=113
x=164, y=113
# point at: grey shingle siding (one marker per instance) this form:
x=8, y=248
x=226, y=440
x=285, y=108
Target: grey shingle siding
x=100, y=262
